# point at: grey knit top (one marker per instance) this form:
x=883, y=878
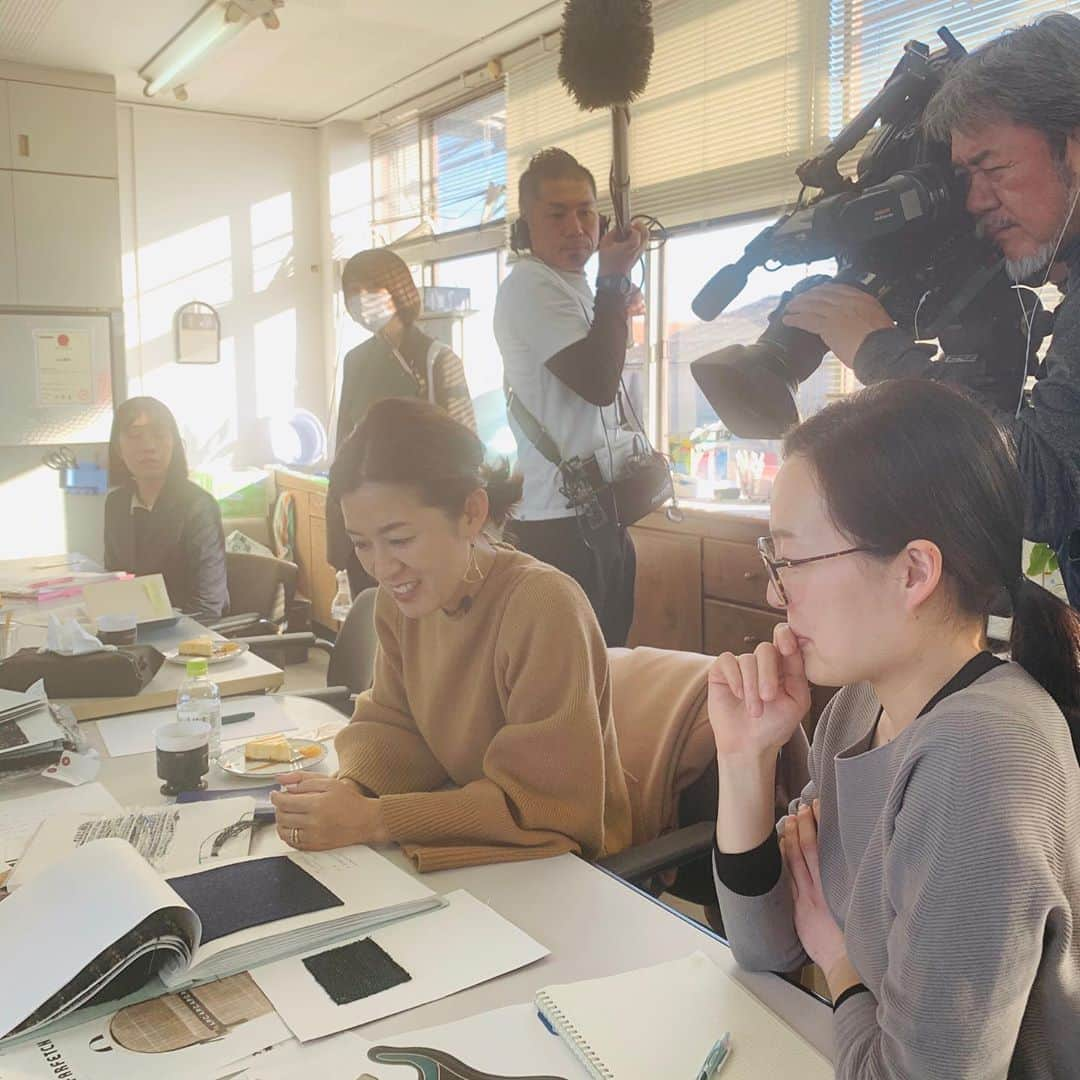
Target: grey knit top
x=951, y=859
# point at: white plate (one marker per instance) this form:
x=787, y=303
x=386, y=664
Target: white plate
x=174, y=657
x=233, y=761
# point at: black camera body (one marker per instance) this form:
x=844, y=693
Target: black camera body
x=899, y=231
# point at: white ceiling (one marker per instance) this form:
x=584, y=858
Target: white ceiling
x=329, y=57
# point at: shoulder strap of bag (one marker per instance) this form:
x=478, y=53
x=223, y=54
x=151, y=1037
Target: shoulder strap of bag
x=435, y=351
x=531, y=428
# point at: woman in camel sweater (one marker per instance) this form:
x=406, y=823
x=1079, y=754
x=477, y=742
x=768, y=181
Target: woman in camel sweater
x=487, y=735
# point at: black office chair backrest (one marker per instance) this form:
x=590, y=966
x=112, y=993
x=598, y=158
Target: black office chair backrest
x=260, y=584
x=352, y=663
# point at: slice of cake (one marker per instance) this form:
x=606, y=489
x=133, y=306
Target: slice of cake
x=271, y=748
x=197, y=647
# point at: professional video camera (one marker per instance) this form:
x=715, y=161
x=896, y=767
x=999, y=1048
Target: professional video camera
x=899, y=231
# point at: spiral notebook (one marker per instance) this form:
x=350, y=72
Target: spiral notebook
x=663, y=1020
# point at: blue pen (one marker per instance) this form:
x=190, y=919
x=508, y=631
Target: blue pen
x=716, y=1058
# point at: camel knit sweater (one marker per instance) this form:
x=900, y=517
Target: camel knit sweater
x=488, y=733
x=950, y=858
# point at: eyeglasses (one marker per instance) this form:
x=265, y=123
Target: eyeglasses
x=774, y=565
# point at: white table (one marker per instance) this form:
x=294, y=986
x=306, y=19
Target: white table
x=593, y=923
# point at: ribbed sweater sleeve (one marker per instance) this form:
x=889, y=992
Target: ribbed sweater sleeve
x=761, y=925
x=543, y=786
x=381, y=749
x=977, y=903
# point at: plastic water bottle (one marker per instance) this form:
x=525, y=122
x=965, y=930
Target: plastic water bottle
x=339, y=609
x=199, y=699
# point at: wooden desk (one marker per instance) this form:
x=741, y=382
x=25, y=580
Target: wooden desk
x=593, y=923
x=245, y=675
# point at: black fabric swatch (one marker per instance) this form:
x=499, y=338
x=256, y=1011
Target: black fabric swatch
x=354, y=971
x=251, y=893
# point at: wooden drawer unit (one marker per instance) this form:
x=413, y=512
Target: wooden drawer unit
x=732, y=571
x=667, y=591
x=323, y=579
x=317, y=580
x=737, y=629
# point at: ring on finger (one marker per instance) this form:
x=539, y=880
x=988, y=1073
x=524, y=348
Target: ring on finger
x=294, y=837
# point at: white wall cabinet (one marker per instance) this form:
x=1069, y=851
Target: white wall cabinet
x=59, y=192
x=5, y=128
x=67, y=249
x=9, y=294
x=56, y=129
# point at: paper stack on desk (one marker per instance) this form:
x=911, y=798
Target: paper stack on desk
x=102, y=917
x=28, y=731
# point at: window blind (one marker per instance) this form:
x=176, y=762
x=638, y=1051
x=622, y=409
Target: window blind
x=728, y=113
x=396, y=181
x=468, y=154
x=867, y=37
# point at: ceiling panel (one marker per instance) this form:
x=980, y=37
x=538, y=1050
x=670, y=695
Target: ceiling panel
x=326, y=56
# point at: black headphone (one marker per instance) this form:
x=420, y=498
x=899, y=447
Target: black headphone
x=521, y=241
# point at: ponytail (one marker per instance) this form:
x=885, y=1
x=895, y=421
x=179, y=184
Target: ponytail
x=1045, y=642
x=503, y=488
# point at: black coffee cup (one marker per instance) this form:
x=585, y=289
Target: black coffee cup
x=183, y=755
x=117, y=629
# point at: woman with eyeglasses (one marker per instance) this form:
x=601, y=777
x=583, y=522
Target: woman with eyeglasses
x=931, y=867
x=156, y=520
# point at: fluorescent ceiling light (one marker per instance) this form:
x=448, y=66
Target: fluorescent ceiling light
x=218, y=21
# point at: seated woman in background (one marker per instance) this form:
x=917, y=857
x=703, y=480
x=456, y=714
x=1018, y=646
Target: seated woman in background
x=487, y=735
x=931, y=867
x=156, y=520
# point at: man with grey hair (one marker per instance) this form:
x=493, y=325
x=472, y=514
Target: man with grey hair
x=1012, y=112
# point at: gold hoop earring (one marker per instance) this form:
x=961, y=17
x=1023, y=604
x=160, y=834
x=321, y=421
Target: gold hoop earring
x=473, y=573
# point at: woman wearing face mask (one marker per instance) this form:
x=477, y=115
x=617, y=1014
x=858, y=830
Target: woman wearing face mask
x=467, y=749
x=156, y=520
x=398, y=360
x=931, y=867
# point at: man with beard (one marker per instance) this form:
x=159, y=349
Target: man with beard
x=1012, y=112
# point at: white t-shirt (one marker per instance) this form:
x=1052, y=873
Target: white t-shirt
x=540, y=311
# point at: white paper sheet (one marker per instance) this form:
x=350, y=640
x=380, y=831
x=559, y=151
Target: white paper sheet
x=462, y=945
x=337, y=1058
x=92, y=1051
x=20, y=818
x=171, y=838
x=134, y=733
x=510, y=1042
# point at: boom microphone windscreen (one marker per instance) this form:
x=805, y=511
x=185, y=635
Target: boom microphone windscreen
x=607, y=47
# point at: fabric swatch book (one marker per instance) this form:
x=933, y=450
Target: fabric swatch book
x=101, y=923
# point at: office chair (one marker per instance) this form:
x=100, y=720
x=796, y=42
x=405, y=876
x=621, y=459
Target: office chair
x=659, y=702
x=261, y=588
x=351, y=667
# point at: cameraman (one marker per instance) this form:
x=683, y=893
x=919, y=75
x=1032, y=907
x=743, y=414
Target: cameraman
x=1012, y=112
x=563, y=353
